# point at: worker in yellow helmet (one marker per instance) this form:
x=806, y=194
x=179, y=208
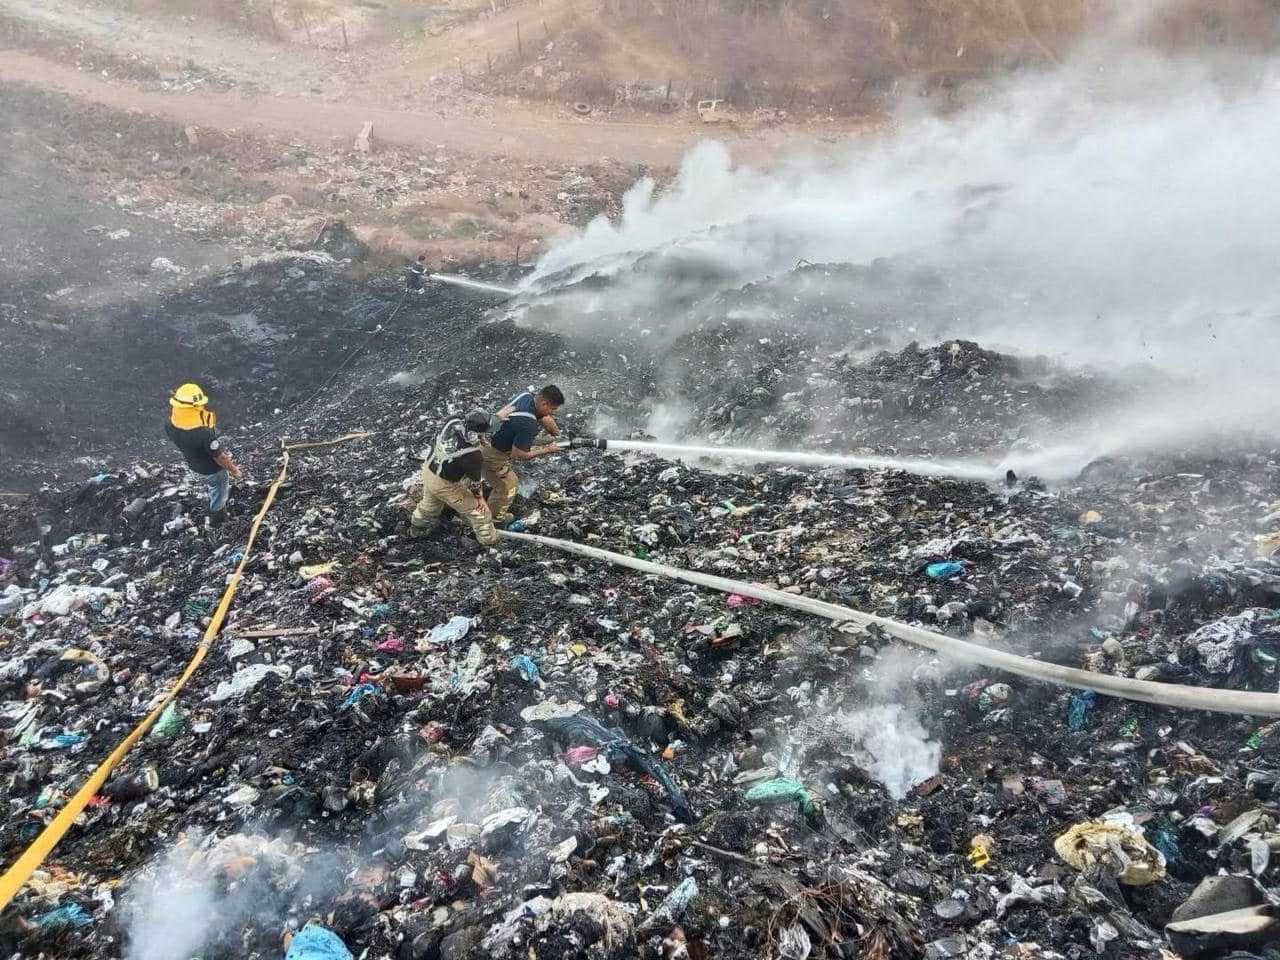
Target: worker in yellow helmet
x=191, y=428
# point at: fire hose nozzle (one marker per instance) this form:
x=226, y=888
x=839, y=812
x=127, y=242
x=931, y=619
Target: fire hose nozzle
x=585, y=443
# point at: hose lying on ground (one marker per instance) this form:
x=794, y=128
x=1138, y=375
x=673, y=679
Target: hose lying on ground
x=1146, y=691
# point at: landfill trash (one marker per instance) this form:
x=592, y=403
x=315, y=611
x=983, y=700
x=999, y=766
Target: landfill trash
x=979, y=854
x=1221, y=642
x=1078, y=708
x=1223, y=913
x=65, y=598
x=356, y=784
x=314, y=942
x=782, y=790
x=988, y=696
x=794, y=943
x=1118, y=848
x=613, y=921
x=11, y=600
x=527, y=668
x=170, y=722
x=673, y=907
x=944, y=569
x=620, y=751
x=317, y=570
x=450, y=632
x=129, y=787
x=68, y=915
x=245, y=679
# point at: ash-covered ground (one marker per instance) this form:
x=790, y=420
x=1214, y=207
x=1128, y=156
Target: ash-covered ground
x=594, y=763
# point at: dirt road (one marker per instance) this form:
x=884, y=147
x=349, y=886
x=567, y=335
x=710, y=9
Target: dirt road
x=305, y=91
x=535, y=133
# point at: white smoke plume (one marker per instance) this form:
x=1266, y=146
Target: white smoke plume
x=892, y=746
x=199, y=893
x=875, y=725
x=1119, y=210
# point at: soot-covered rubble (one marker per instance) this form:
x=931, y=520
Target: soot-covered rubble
x=436, y=750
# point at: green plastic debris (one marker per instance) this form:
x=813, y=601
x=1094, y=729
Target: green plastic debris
x=640, y=553
x=1261, y=735
x=1129, y=727
x=781, y=790
x=170, y=722
x=1069, y=535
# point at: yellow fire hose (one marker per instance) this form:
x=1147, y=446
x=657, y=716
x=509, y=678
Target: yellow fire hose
x=1145, y=691
x=20, y=871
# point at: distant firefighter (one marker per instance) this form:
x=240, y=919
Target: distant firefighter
x=416, y=274
x=191, y=428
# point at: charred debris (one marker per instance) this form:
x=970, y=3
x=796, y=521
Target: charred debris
x=437, y=751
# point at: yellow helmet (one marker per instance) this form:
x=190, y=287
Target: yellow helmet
x=188, y=395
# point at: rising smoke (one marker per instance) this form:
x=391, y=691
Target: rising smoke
x=1116, y=211
x=893, y=746
x=202, y=893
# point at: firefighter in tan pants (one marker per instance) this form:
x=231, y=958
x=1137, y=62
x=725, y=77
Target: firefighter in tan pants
x=451, y=478
x=522, y=418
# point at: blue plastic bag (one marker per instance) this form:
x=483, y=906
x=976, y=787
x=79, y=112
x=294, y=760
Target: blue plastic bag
x=317, y=943
x=70, y=915
x=1077, y=709
x=943, y=569
x=528, y=669
x=358, y=693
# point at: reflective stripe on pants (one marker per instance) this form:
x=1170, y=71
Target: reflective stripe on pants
x=438, y=493
x=498, y=474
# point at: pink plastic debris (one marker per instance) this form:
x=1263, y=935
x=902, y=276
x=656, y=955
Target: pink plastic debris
x=577, y=756
x=320, y=587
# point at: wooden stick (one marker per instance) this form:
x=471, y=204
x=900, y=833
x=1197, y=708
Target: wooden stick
x=276, y=632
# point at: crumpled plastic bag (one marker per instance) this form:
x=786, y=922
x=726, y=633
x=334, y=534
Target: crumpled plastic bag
x=62, y=600
x=1218, y=642
x=242, y=681
x=317, y=943
x=676, y=903
x=10, y=600
x=780, y=790
x=1120, y=848
x=449, y=632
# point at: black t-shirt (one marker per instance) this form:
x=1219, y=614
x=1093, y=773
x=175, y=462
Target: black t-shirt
x=198, y=446
x=453, y=456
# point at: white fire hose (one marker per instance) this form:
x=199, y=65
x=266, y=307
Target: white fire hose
x=1145, y=691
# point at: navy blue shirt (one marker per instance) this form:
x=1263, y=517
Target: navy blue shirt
x=520, y=428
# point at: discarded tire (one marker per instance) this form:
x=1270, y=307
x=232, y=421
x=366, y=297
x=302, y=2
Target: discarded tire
x=582, y=109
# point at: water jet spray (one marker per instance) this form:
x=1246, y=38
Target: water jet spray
x=469, y=284
x=933, y=468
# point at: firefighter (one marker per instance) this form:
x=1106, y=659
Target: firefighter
x=522, y=418
x=451, y=478
x=191, y=427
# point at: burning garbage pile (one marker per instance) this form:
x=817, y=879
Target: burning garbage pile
x=422, y=749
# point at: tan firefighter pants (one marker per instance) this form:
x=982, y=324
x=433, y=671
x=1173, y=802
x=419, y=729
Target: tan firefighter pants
x=498, y=474
x=438, y=493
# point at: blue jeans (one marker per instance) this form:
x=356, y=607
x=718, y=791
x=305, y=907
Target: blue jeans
x=218, y=487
